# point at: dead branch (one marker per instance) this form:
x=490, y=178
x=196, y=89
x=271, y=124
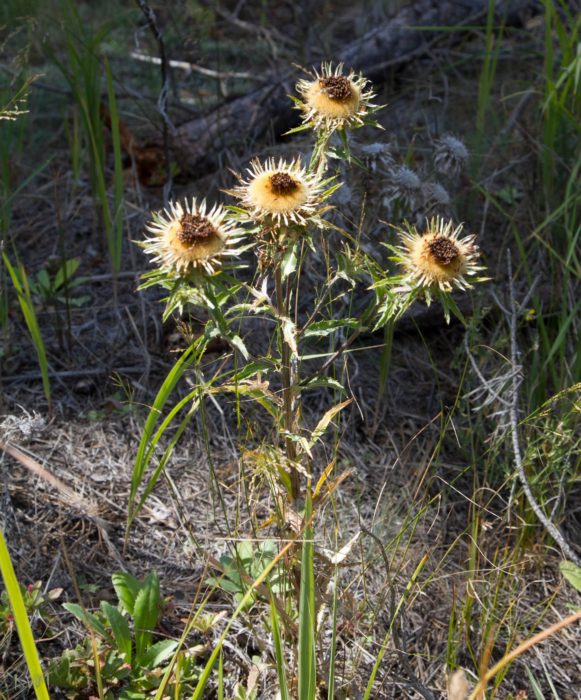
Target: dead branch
x=517, y=377
x=197, y=143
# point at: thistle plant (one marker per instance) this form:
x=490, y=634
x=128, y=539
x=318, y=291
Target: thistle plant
x=283, y=215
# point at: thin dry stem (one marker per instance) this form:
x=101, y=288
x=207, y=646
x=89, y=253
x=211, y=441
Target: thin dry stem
x=549, y=526
x=288, y=402
x=478, y=692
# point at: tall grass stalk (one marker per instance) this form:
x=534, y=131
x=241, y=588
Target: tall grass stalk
x=478, y=692
x=307, y=661
x=278, y=652
x=22, y=622
x=488, y=71
x=83, y=72
x=394, y=621
x=22, y=287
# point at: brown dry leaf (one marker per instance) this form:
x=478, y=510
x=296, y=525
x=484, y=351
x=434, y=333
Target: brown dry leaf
x=68, y=495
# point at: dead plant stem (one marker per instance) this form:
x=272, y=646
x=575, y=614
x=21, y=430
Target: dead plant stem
x=549, y=526
x=288, y=380
x=478, y=692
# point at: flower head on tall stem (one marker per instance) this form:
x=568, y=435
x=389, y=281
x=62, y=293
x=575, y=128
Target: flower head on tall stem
x=438, y=258
x=280, y=193
x=332, y=100
x=189, y=237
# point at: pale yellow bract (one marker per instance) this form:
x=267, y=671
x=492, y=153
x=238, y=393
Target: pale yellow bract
x=283, y=193
x=439, y=257
x=187, y=237
x=333, y=100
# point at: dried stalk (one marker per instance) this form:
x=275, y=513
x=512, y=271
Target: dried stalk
x=517, y=377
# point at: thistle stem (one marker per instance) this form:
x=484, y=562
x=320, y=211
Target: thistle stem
x=289, y=381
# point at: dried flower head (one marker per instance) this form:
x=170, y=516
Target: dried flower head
x=450, y=156
x=332, y=100
x=376, y=157
x=279, y=192
x=404, y=184
x=434, y=195
x=188, y=237
x=438, y=257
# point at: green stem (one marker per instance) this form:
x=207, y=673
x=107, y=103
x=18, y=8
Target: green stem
x=288, y=380
x=318, y=161
x=384, y=365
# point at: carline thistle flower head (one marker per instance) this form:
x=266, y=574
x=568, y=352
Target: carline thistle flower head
x=404, y=184
x=190, y=237
x=438, y=257
x=279, y=193
x=332, y=100
x=450, y=156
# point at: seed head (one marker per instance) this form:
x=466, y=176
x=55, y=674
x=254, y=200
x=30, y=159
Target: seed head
x=187, y=236
x=438, y=257
x=279, y=193
x=331, y=100
x=450, y=156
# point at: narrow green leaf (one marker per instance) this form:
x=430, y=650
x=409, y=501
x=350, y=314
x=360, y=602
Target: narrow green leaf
x=147, y=444
x=221, y=677
x=325, y=382
x=328, y=326
x=89, y=620
x=307, y=615
x=22, y=623
x=278, y=652
x=157, y=653
x=20, y=282
x=333, y=649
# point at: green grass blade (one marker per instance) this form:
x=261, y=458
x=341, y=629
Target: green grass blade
x=307, y=619
x=162, y=397
x=22, y=623
x=20, y=282
x=221, y=695
x=116, y=233
x=333, y=649
x=153, y=479
x=383, y=647
x=278, y=652
x=248, y=596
